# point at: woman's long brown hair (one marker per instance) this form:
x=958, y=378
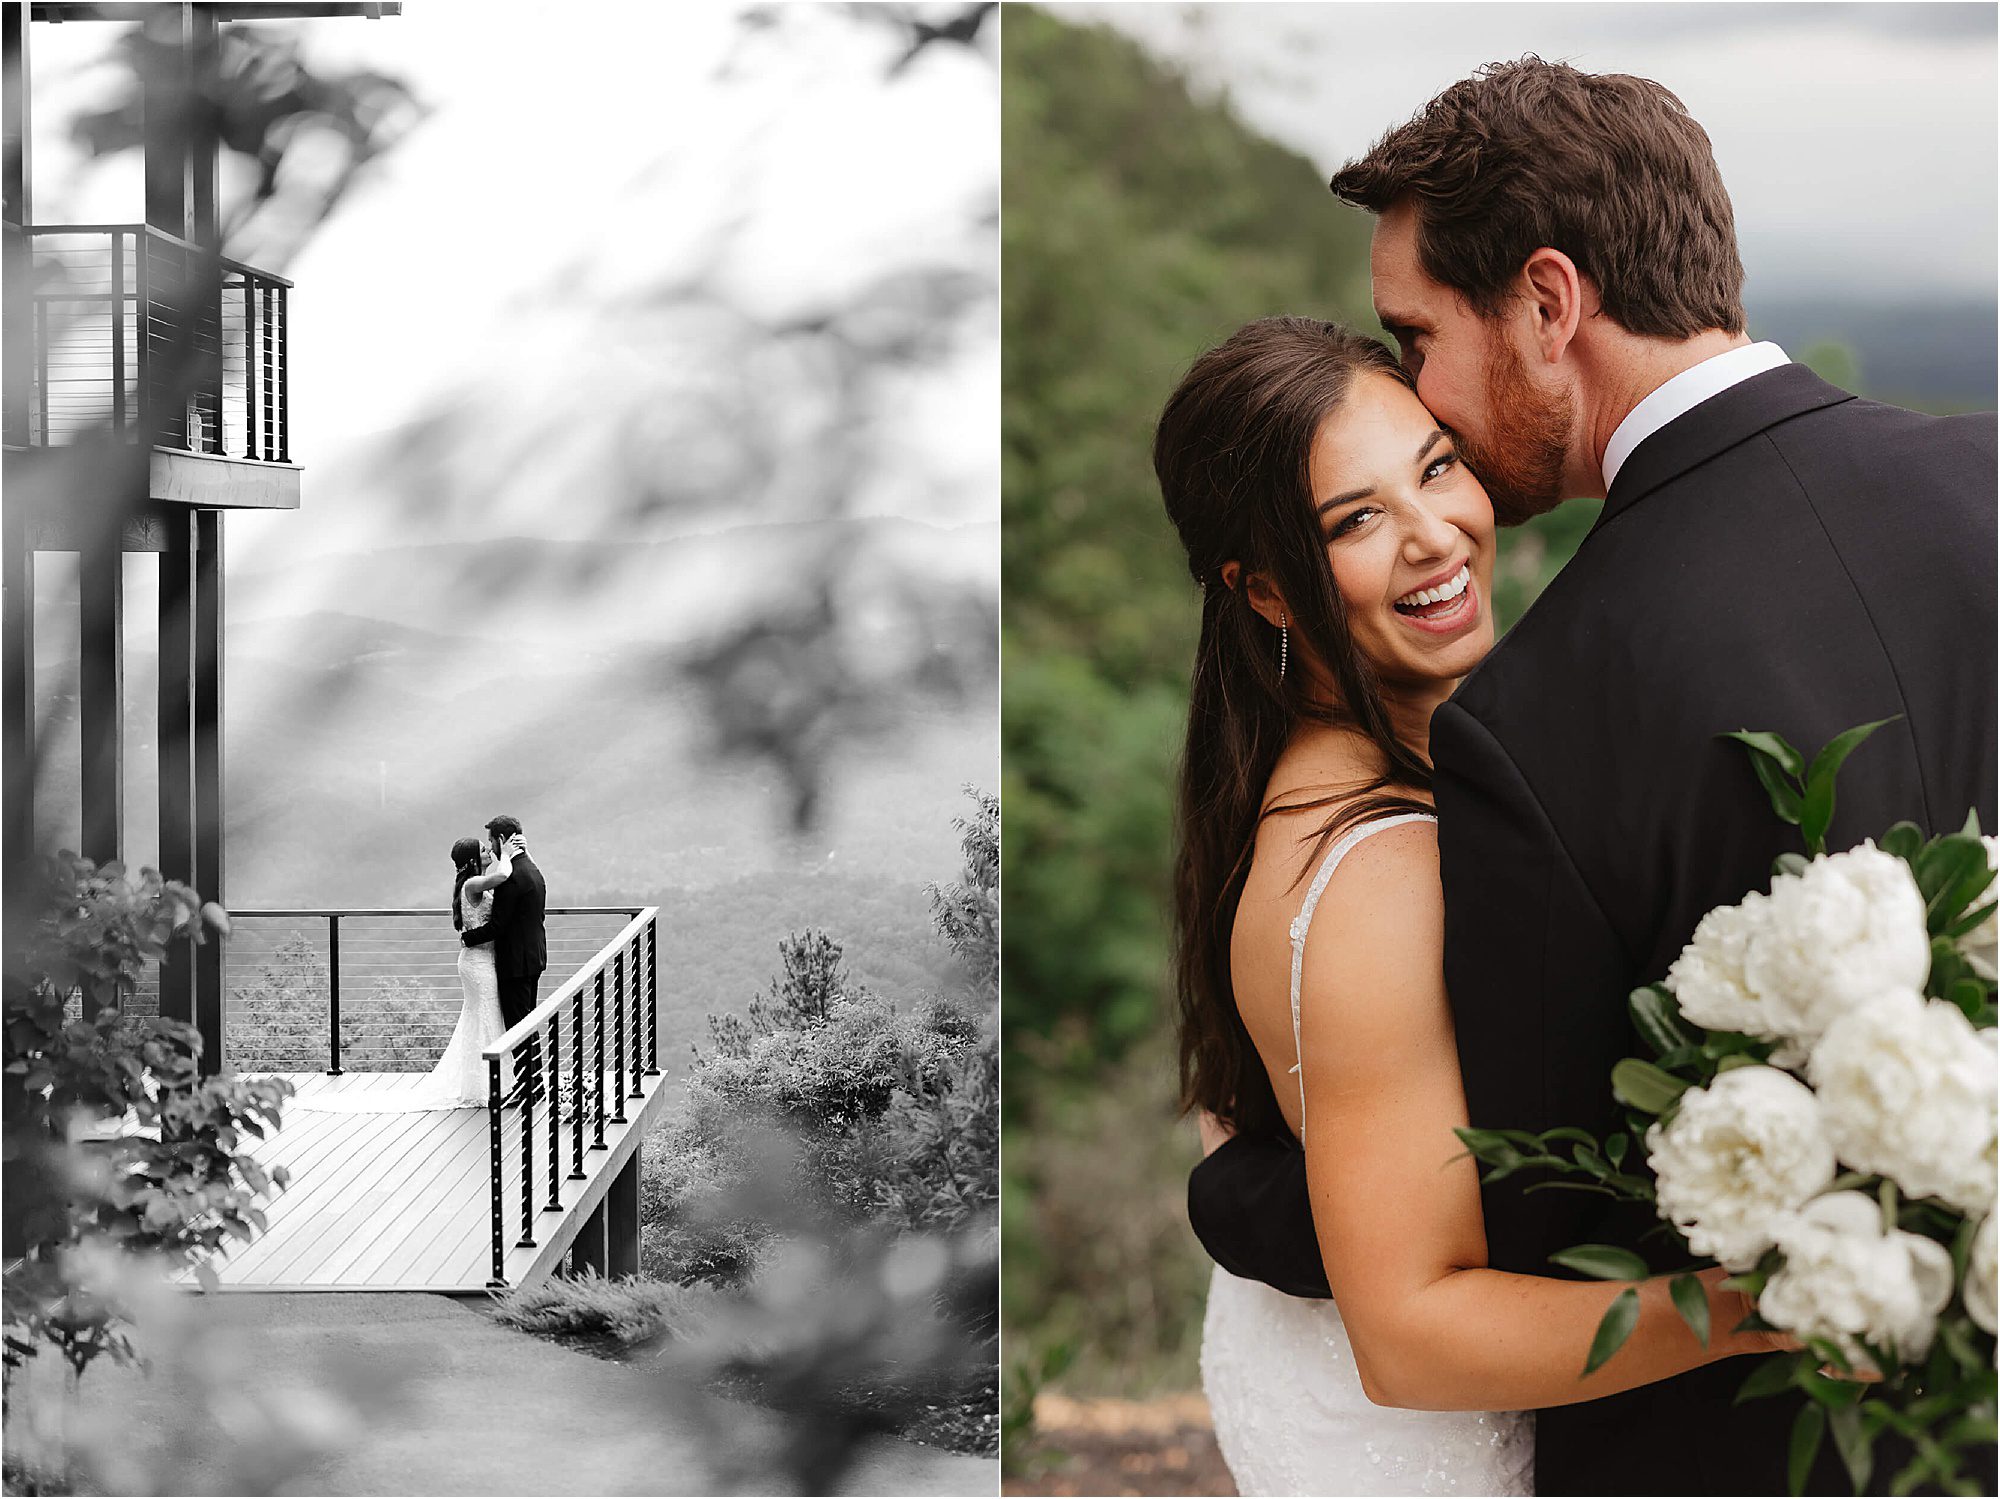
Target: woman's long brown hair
x=1233, y=454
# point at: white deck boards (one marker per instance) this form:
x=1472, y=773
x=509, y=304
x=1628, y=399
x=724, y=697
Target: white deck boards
x=402, y=1201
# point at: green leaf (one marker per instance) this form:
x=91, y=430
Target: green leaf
x=1658, y=1018
x=1834, y=1394
x=1826, y=764
x=1771, y=1377
x=1808, y=1428
x=1959, y=873
x=1903, y=840
x=1790, y=864
x=1602, y=1262
x=1943, y=862
x=1691, y=1301
x=1856, y=1446
x=1786, y=800
x=1643, y=1086
x=1768, y=746
x=1615, y=1148
x=1971, y=828
x=1969, y=920
x=1619, y=1320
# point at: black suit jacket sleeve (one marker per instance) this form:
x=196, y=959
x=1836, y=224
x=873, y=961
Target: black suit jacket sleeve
x=1249, y=1207
x=1537, y=975
x=504, y=897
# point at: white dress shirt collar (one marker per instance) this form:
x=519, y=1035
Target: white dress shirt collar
x=1682, y=394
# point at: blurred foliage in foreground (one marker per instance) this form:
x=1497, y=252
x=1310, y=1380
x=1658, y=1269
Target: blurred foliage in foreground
x=1143, y=221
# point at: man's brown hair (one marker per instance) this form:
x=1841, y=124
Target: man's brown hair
x=1607, y=168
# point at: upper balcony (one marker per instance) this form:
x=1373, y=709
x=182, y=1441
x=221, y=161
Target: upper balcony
x=132, y=337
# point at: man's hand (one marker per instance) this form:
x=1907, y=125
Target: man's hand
x=1214, y=1133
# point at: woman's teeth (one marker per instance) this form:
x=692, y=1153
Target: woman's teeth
x=1444, y=593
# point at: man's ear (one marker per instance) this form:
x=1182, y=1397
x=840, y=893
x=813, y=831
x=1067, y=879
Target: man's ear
x=1256, y=587
x=1554, y=290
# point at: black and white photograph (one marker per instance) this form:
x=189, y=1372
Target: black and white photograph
x=501, y=748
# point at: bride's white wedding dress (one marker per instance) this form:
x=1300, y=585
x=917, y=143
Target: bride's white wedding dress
x=1290, y=1414
x=459, y=1079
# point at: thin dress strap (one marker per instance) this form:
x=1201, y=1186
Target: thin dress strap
x=1302, y=923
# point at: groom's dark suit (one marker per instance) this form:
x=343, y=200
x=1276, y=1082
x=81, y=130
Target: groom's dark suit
x=1784, y=556
x=516, y=928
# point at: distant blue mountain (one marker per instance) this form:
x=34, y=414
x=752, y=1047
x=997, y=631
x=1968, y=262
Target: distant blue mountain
x=1933, y=355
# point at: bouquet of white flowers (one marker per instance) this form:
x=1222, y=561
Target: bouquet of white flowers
x=1820, y=1118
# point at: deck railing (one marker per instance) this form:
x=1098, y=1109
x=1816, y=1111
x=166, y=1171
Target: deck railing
x=362, y=949
x=131, y=335
x=524, y=1069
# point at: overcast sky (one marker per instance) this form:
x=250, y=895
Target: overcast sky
x=1858, y=140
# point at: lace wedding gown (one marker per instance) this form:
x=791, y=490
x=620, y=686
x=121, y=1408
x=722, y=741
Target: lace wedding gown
x=1290, y=1414
x=459, y=1079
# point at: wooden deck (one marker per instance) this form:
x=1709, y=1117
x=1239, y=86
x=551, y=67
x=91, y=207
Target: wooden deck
x=402, y=1201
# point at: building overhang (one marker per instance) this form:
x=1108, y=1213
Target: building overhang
x=63, y=495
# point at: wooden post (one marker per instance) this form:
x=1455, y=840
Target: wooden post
x=210, y=1000
x=169, y=190
x=16, y=178
x=588, y=1251
x=100, y=681
x=177, y=745
x=621, y=1220
x=17, y=693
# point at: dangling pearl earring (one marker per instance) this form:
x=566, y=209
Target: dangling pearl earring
x=1284, y=643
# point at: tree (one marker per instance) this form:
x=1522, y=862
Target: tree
x=967, y=911
x=812, y=981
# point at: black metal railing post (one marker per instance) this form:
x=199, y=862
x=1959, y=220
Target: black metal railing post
x=333, y=994
x=526, y=1093
x=284, y=374
x=618, y=1020
x=42, y=370
x=638, y=950
x=142, y=335
x=597, y=1076
x=653, y=996
x=576, y=1089
x=270, y=351
x=552, y=1071
x=118, y=334
x=249, y=342
x=495, y=1149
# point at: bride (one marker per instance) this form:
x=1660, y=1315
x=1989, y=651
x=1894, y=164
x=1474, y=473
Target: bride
x=1345, y=555
x=459, y=1080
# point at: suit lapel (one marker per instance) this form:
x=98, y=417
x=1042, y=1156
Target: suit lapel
x=1716, y=425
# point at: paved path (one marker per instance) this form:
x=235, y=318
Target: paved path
x=449, y=1402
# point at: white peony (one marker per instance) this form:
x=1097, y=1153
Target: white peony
x=1982, y=1280
x=1908, y=1089
x=1847, y=929
x=1846, y=1279
x=1981, y=946
x=1738, y=1156
x=1707, y=979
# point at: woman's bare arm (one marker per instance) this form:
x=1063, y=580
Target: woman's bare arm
x=496, y=876
x=1398, y=1217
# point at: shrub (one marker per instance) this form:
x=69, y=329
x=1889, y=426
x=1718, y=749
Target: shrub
x=626, y=1310
x=117, y=1149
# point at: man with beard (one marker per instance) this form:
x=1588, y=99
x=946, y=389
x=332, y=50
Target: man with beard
x=1556, y=256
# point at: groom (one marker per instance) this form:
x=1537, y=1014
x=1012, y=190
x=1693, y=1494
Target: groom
x=520, y=944
x=1556, y=256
